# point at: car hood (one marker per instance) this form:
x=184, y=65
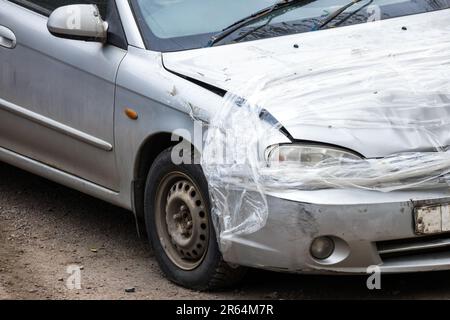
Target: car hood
x=377, y=88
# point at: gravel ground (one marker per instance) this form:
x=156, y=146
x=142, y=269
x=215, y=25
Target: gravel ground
x=44, y=228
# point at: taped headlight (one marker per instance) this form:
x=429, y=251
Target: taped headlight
x=308, y=155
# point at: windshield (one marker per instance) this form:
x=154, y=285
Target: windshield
x=173, y=25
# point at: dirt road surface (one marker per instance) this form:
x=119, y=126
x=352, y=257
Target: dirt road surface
x=46, y=228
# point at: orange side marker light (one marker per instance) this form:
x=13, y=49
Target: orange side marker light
x=132, y=114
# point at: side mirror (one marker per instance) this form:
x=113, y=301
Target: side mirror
x=78, y=22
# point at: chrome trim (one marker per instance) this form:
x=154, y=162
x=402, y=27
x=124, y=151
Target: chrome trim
x=130, y=26
x=409, y=247
x=54, y=125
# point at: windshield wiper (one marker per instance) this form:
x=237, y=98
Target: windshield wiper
x=281, y=4
x=336, y=13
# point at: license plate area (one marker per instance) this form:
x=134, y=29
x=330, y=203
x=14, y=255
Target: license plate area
x=432, y=219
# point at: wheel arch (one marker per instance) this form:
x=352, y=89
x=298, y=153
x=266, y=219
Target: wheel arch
x=149, y=150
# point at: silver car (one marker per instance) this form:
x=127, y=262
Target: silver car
x=97, y=95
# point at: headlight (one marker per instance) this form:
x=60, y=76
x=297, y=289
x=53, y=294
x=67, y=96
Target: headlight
x=308, y=155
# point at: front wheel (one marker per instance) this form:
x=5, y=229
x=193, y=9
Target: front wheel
x=181, y=231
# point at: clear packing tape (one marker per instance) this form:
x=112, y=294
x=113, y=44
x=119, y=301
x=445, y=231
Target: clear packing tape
x=389, y=103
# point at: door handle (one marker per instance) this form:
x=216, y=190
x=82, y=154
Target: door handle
x=7, y=38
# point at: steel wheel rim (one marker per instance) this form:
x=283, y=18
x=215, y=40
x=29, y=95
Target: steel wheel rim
x=182, y=220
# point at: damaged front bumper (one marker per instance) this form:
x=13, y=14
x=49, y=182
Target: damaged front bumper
x=384, y=98
x=368, y=228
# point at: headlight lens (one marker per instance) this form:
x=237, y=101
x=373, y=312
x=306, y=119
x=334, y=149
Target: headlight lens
x=308, y=155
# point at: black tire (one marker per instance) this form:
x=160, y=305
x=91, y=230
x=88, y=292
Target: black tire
x=212, y=272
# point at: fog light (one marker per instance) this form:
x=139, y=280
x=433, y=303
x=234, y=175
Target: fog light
x=322, y=248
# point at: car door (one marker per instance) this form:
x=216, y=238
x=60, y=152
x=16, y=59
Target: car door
x=57, y=95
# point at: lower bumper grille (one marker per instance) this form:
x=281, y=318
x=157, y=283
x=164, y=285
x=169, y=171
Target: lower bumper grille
x=414, y=246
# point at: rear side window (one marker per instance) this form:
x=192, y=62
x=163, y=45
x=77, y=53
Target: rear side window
x=47, y=6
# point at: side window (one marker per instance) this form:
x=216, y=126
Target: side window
x=47, y=6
